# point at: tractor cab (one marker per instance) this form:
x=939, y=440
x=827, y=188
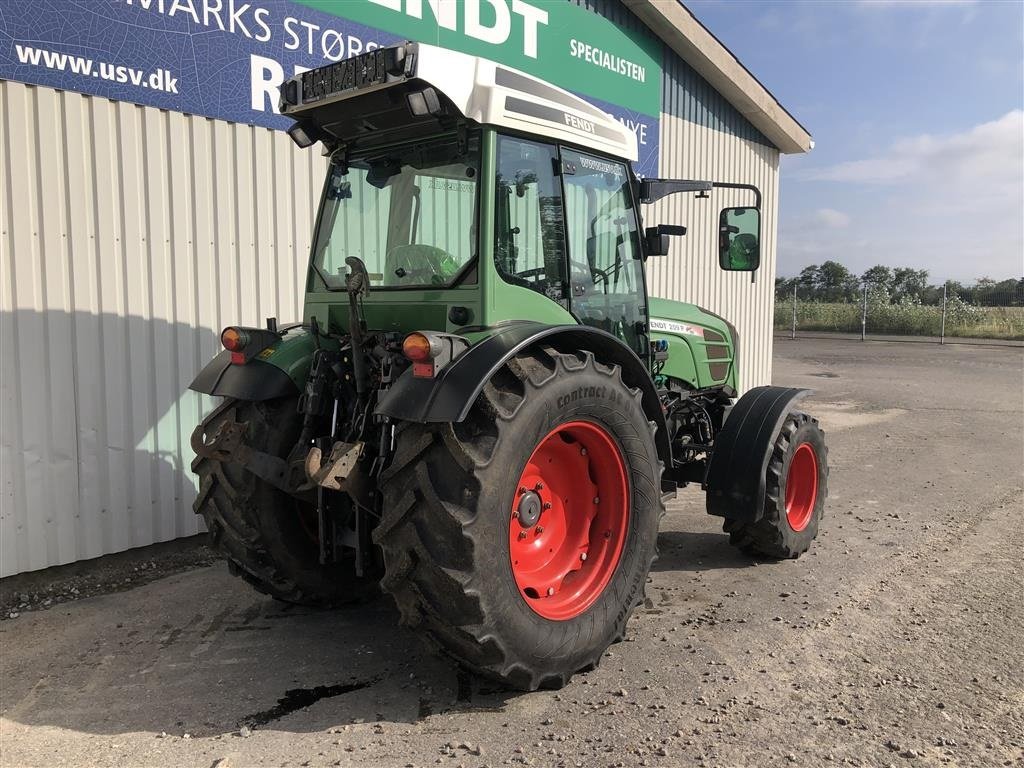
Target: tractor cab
x=474, y=195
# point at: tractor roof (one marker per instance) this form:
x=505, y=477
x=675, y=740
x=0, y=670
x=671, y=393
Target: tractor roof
x=415, y=85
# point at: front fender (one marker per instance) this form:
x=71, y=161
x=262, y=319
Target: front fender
x=280, y=370
x=449, y=397
x=736, y=473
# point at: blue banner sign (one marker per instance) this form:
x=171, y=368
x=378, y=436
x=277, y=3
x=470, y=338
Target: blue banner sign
x=226, y=58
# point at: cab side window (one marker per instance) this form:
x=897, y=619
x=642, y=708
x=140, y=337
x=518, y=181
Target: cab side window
x=529, y=247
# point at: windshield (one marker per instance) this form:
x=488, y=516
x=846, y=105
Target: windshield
x=408, y=212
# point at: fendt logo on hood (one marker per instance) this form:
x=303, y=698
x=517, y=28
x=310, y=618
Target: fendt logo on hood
x=493, y=25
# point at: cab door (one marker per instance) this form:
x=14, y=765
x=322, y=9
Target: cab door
x=606, y=275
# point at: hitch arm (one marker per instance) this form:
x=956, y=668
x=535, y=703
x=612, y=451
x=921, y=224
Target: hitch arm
x=228, y=445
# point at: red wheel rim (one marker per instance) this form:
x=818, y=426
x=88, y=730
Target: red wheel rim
x=569, y=519
x=801, y=487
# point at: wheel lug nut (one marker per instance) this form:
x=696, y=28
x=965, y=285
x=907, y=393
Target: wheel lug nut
x=547, y=505
x=551, y=591
x=522, y=534
x=523, y=489
x=583, y=556
x=539, y=487
x=540, y=529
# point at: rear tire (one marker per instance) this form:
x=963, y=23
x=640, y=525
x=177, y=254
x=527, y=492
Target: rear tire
x=796, y=486
x=450, y=526
x=267, y=536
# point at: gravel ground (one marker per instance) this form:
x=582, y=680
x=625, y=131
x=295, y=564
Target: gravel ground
x=40, y=590
x=895, y=641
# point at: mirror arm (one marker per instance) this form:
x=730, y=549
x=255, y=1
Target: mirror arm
x=678, y=230
x=652, y=190
x=751, y=187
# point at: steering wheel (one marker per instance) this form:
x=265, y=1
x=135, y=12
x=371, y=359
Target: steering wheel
x=536, y=273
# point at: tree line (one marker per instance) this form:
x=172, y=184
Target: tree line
x=833, y=282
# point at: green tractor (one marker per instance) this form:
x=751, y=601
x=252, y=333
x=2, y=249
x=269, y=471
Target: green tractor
x=483, y=412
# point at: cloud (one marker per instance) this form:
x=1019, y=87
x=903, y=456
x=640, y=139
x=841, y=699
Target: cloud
x=951, y=204
x=992, y=151
x=830, y=218
x=913, y=3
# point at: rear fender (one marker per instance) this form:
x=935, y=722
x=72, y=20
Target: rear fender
x=735, y=481
x=449, y=397
x=279, y=370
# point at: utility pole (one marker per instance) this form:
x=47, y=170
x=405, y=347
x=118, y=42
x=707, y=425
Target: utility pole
x=864, y=315
x=942, y=333
x=792, y=333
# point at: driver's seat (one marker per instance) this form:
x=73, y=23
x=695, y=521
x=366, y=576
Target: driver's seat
x=742, y=250
x=420, y=265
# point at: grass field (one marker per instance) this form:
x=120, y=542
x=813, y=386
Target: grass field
x=904, y=319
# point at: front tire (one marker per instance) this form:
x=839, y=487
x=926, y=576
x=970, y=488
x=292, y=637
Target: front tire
x=464, y=558
x=796, y=487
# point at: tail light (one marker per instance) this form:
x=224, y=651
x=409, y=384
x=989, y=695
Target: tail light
x=421, y=349
x=235, y=341
x=430, y=352
x=245, y=343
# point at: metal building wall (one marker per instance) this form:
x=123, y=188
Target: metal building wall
x=702, y=138
x=130, y=236
x=705, y=137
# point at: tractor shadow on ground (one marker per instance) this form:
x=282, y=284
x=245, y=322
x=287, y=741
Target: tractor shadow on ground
x=201, y=653
x=689, y=551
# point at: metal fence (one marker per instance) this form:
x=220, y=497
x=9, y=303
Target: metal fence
x=943, y=314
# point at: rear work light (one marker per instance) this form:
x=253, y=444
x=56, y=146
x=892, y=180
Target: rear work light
x=430, y=352
x=424, y=102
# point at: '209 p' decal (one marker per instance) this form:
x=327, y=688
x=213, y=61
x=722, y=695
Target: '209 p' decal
x=659, y=324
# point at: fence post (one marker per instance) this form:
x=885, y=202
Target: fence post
x=942, y=335
x=864, y=315
x=792, y=333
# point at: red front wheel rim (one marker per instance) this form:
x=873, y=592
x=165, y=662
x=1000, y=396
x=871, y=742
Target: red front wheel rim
x=569, y=520
x=801, y=487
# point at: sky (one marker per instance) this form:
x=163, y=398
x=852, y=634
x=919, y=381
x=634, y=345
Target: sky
x=917, y=114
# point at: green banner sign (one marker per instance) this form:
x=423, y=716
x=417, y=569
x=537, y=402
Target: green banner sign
x=551, y=39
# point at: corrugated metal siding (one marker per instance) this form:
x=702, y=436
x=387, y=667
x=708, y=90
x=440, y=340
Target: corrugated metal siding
x=130, y=236
x=690, y=272
x=704, y=137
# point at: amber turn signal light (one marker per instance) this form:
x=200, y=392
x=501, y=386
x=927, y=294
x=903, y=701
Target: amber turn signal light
x=417, y=348
x=233, y=339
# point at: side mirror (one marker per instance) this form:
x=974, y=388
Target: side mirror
x=657, y=245
x=739, y=239
x=656, y=238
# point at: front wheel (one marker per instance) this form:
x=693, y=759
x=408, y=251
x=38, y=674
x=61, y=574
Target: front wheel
x=520, y=540
x=796, y=486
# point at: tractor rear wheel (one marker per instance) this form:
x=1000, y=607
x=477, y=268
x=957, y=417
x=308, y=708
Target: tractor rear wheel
x=268, y=537
x=520, y=540
x=796, y=486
